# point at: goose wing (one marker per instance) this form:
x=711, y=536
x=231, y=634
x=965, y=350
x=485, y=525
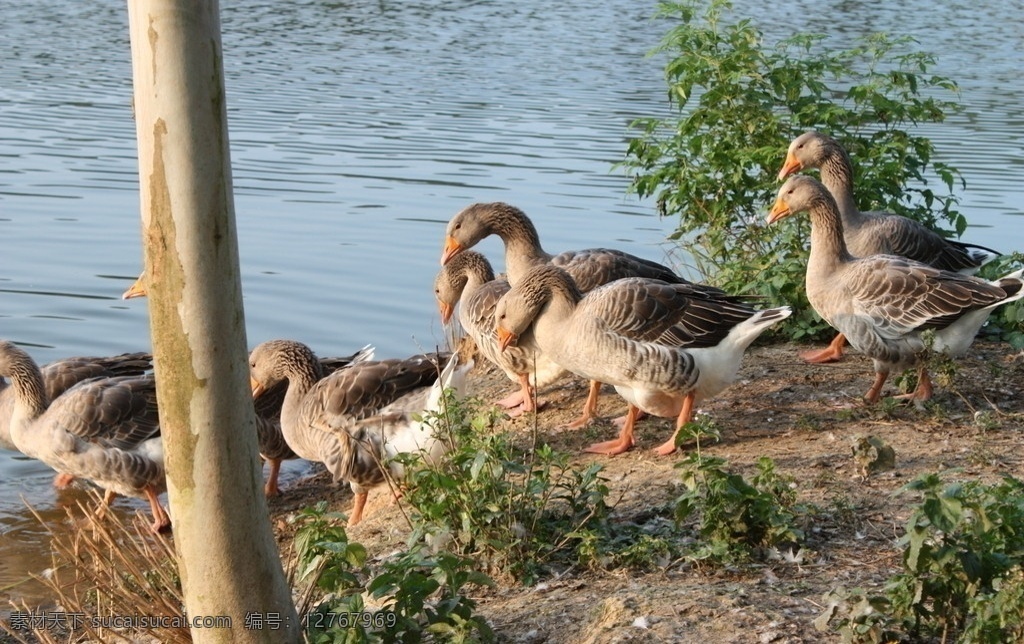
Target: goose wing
x=901, y=296
x=61, y=375
x=365, y=389
x=116, y=412
x=649, y=310
x=593, y=267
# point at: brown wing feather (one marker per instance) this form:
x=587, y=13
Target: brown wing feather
x=911, y=295
x=113, y=412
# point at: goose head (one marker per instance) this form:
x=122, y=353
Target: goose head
x=519, y=308
x=276, y=360
x=480, y=220
x=809, y=150
x=451, y=280
x=799, y=194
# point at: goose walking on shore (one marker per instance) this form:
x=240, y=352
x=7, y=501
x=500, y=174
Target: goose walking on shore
x=352, y=420
x=875, y=232
x=884, y=304
x=625, y=333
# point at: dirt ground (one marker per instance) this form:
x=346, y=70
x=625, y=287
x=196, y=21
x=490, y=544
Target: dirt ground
x=806, y=418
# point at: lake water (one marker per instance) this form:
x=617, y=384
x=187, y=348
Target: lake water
x=357, y=129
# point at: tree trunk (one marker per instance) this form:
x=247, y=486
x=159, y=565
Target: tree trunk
x=230, y=565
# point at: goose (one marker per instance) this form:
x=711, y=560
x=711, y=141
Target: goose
x=104, y=430
x=588, y=268
x=624, y=333
x=467, y=280
x=886, y=305
x=345, y=420
x=61, y=375
x=876, y=232
x=272, y=445
x=270, y=439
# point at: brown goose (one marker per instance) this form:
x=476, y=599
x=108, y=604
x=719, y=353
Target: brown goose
x=626, y=333
x=884, y=304
x=468, y=281
x=876, y=232
x=61, y=375
x=588, y=268
x=272, y=445
x=348, y=420
x=104, y=430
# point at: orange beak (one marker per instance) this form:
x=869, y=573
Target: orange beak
x=779, y=211
x=137, y=289
x=791, y=165
x=257, y=388
x=505, y=337
x=446, y=311
x=451, y=249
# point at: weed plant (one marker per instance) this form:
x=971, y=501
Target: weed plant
x=737, y=519
x=740, y=100
x=103, y=571
x=962, y=579
x=412, y=596
x=516, y=510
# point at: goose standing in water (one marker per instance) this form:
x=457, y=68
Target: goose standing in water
x=468, y=281
x=104, y=430
x=884, y=304
x=876, y=232
x=61, y=375
x=626, y=333
x=589, y=268
x=353, y=419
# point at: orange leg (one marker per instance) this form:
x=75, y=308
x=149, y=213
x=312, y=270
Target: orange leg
x=623, y=443
x=270, y=488
x=108, y=498
x=876, y=388
x=923, y=391
x=589, y=408
x=831, y=353
x=621, y=420
x=62, y=480
x=161, y=522
x=512, y=400
x=523, y=399
x=357, y=508
x=685, y=416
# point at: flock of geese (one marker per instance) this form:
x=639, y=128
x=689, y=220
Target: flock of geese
x=890, y=286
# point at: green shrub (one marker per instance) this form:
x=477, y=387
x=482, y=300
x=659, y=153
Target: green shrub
x=740, y=101
x=962, y=576
x=418, y=595
x=514, y=510
x=737, y=519
x=1007, y=322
